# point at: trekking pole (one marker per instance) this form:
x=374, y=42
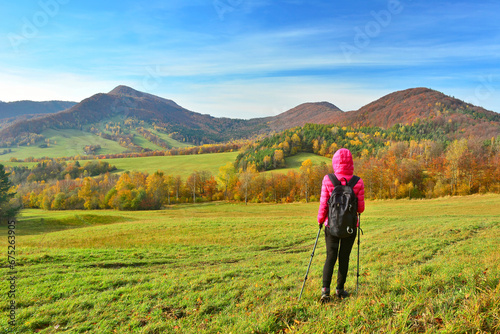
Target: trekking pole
x=307, y=272
x=360, y=231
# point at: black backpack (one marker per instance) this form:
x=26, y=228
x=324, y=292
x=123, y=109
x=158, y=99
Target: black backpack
x=342, y=208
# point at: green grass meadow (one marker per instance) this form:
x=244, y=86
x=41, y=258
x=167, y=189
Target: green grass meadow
x=427, y=266
x=182, y=165
x=172, y=142
x=71, y=142
x=295, y=162
x=64, y=143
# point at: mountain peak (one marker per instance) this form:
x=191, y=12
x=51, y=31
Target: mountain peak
x=324, y=105
x=125, y=91
x=309, y=112
x=122, y=90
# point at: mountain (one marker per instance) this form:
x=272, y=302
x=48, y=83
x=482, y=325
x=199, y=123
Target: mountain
x=426, y=105
x=319, y=112
x=15, y=109
x=11, y=112
x=125, y=115
x=122, y=103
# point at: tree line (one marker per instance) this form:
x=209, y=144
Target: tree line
x=52, y=169
x=143, y=191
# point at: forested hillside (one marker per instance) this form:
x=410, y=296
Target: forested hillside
x=427, y=105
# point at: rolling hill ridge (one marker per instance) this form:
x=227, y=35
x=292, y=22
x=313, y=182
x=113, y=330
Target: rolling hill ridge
x=11, y=112
x=318, y=112
x=427, y=105
x=133, y=119
x=18, y=108
x=126, y=103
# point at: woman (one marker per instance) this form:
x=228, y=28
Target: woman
x=343, y=168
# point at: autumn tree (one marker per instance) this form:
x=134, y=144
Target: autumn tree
x=279, y=159
x=156, y=189
x=226, y=177
x=169, y=186
x=296, y=144
x=305, y=177
x=130, y=192
x=454, y=154
x=89, y=193
x=245, y=180
x=191, y=184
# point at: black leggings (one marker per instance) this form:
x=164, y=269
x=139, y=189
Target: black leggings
x=332, y=252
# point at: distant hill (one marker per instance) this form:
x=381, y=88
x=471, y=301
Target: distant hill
x=430, y=106
x=318, y=112
x=11, y=112
x=14, y=109
x=122, y=103
x=141, y=121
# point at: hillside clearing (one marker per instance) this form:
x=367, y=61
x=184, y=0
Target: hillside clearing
x=71, y=142
x=64, y=143
x=182, y=165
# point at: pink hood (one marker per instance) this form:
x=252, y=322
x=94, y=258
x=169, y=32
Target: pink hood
x=343, y=167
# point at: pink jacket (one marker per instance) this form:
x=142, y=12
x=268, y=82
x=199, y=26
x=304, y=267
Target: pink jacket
x=343, y=167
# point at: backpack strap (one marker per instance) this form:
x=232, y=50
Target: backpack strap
x=334, y=180
x=352, y=182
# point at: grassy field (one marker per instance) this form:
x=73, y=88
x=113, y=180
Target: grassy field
x=172, y=142
x=69, y=143
x=426, y=266
x=294, y=162
x=184, y=165
x=18, y=164
x=144, y=143
x=64, y=143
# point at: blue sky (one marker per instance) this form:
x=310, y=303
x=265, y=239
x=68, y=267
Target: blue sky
x=250, y=58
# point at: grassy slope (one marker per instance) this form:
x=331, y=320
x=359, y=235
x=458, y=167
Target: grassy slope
x=71, y=143
x=67, y=143
x=425, y=266
x=18, y=164
x=182, y=165
x=172, y=142
x=294, y=162
x=144, y=143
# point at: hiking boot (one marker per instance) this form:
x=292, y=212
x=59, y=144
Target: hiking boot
x=341, y=293
x=325, y=296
